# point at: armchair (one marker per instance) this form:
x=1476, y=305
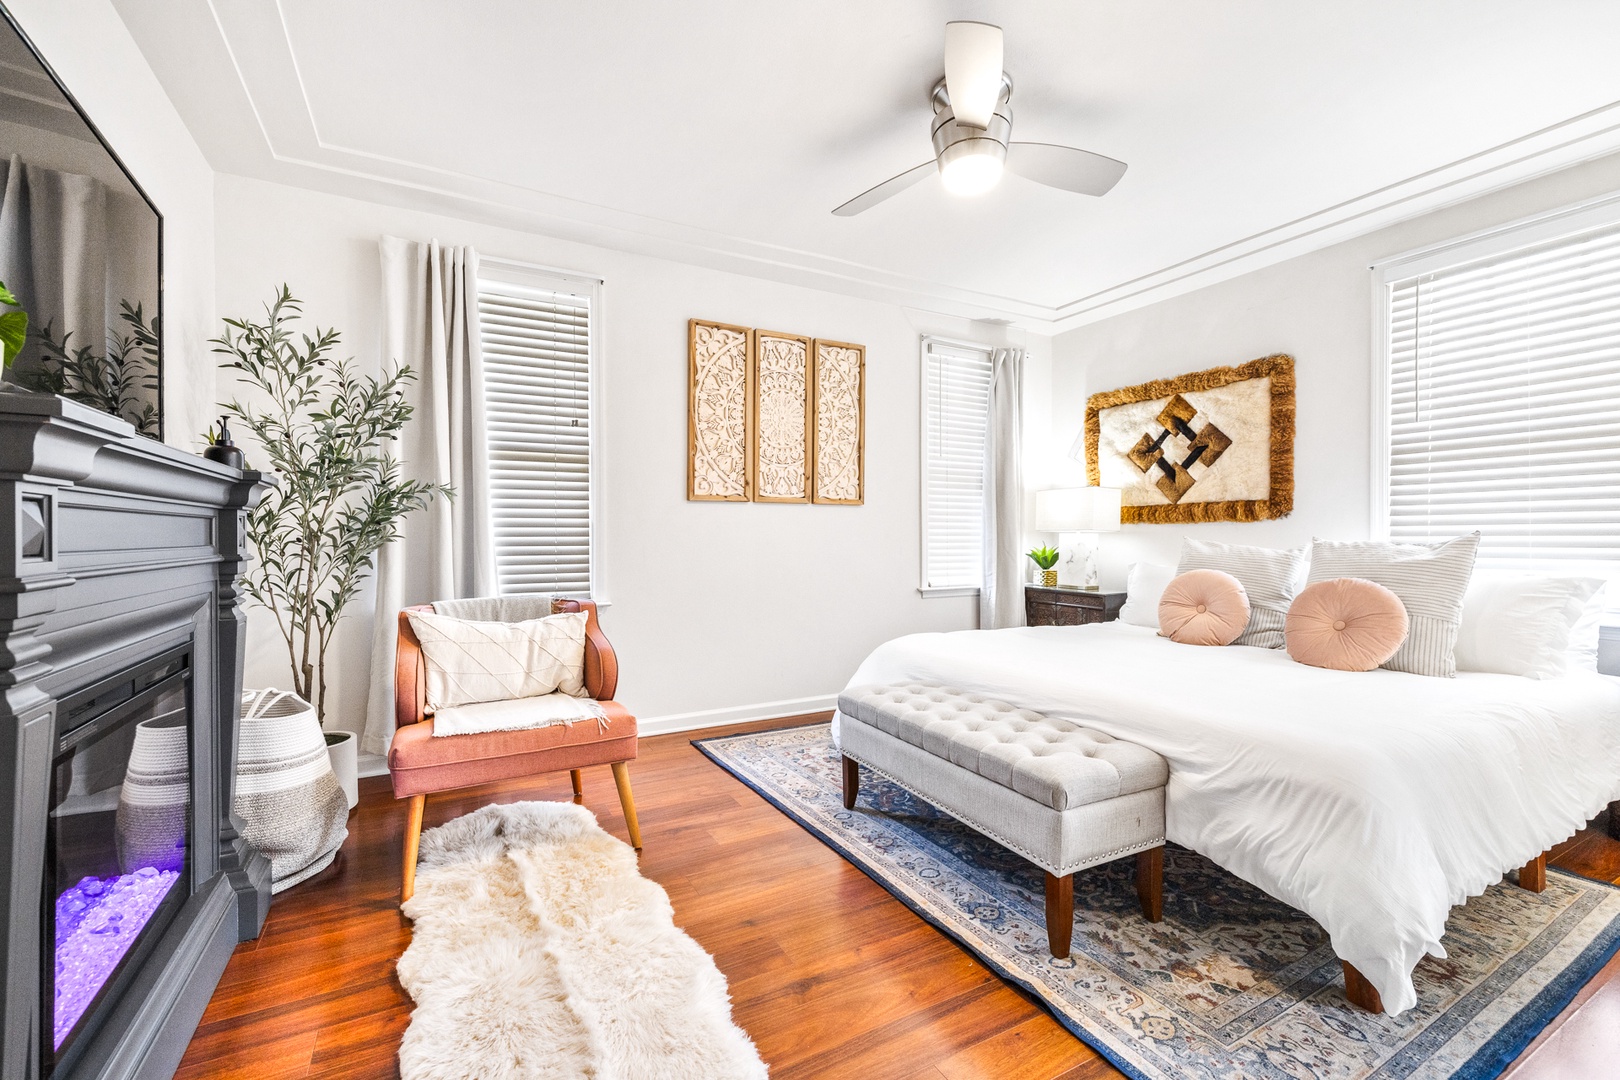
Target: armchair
x=421, y=765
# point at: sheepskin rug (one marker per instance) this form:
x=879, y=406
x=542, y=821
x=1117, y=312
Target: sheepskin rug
x=540, y=952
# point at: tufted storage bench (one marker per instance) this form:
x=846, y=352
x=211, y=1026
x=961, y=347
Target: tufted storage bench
x=1063, y=796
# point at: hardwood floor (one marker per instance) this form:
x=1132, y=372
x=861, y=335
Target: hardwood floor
x=830, y=975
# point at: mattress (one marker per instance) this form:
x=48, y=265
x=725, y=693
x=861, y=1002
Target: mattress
x=1372, y=801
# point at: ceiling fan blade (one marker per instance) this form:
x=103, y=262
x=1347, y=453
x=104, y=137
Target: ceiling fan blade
x=973, y=71
x=1064, y=167
x=894, y=185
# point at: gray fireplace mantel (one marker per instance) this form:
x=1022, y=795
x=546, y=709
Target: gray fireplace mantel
x=113, y=549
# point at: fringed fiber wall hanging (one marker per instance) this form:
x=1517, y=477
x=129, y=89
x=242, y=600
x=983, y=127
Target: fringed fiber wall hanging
x=1215, y=445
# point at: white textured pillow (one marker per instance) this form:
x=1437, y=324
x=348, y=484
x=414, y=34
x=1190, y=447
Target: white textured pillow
x=1585, y=637
x=469, y=662
x=1143, y=589
x=1430, y=579
x=1520, y=625
x=1269, y=576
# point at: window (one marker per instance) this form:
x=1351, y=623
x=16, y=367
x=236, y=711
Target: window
x=1502, y=381
x=538, y=356
x=955, y=413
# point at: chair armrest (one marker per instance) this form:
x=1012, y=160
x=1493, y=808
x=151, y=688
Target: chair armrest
x=601, y=663
x=410, y=673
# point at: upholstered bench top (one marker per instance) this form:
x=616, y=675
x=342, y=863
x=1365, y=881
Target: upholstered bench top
x=1057, y=763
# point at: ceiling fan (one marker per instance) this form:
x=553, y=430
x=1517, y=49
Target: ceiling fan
x=972, y=130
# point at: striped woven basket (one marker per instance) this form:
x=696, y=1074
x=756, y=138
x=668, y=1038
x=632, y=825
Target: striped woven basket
x=150, y=827
x=286, y=792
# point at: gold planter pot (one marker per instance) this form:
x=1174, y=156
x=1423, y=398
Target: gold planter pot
x=1049, y=579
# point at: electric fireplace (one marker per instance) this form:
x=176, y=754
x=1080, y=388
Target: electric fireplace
x=125, y=883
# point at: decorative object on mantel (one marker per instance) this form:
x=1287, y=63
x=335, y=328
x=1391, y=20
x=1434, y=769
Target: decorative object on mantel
x=1077, y=515
x=220, y=448
x=1215, y=445
x=783, y=409
x=1046, y=558
x=720, y=418
x=325, y=431
x=286, y=791
x=839, y=372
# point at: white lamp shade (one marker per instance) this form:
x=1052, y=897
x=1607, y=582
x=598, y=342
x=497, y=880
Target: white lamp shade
x=1068, y=510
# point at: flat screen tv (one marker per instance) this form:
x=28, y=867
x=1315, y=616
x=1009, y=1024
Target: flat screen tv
x=80, y=248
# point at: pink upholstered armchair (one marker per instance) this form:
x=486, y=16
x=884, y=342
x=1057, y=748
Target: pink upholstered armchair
x=421, y=765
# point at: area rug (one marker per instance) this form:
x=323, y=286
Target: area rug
x=539, y=951
x=1232, y=984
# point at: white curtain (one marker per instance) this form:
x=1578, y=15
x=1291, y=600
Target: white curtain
x=1001, y=597
x=430, y=322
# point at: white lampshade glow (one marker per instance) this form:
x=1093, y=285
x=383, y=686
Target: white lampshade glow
x=971, y=174
x=1077, y=510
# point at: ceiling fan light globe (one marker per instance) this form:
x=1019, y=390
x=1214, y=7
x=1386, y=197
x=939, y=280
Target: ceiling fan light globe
x=971, y=174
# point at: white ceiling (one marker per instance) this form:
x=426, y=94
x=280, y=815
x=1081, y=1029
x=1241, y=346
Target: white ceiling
x=723, y=132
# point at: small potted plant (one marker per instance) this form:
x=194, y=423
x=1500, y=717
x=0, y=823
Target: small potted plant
x=1046, y=558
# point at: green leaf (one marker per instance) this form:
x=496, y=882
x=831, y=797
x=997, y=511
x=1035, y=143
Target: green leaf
x=13, y=332
x=6, y=297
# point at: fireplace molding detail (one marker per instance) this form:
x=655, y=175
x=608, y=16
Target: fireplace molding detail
x=113, y=549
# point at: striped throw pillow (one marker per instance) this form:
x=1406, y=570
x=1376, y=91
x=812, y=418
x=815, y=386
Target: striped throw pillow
x=1431, y=581
x=1270, y=577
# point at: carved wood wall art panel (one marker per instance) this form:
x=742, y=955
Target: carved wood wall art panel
x=720, y=412
x=839, y=376
x=782, y=417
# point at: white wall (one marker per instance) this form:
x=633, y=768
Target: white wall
x=91, y=51
x=1318, y=308
x=715, y=606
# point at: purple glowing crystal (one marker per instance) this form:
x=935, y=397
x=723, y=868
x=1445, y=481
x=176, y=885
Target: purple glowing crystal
x=96, y=922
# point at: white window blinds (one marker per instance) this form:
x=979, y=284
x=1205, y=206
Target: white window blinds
x=956, y=406
x=537, y=391
x=1504, y=402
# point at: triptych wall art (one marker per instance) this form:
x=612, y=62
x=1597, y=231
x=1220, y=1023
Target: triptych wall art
x=774, y=417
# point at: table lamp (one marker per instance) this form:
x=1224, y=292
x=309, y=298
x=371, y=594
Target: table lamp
x=1077, y=515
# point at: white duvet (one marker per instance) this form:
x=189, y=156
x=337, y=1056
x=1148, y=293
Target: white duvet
x=1372, y=801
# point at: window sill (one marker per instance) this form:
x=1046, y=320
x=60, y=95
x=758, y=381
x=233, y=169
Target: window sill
x=953, y=590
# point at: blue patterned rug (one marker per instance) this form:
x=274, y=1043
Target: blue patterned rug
x=1232, y=984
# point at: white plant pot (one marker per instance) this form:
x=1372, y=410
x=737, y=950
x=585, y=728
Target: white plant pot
x=343, y=748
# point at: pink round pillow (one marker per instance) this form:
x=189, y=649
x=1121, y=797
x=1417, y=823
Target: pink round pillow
x=1203, y=607
x=1347, y=624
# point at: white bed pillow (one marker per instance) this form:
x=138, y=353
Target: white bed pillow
x=1146, y=585
x=1270, y=577
x=1521, y=624
x=1588, y=629
x=469, y=662
x=1430, y=579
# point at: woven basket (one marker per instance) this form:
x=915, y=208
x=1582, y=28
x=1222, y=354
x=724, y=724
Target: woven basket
x=150, y=827
x=286, y=794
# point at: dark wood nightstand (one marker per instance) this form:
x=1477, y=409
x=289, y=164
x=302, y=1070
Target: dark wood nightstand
x=1069, y=607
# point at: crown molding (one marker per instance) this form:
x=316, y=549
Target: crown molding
x=297, y=154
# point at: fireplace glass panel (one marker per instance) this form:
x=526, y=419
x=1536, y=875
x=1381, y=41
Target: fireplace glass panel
x=118, y=842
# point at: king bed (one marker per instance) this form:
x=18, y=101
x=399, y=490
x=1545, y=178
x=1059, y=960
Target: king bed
x=1372, y=801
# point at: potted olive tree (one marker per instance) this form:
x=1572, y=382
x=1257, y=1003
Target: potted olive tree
x=324, y=431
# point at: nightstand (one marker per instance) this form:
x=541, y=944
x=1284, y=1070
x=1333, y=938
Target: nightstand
x=1069, y=607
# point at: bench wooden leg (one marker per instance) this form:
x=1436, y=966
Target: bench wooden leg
x=1360, y=991
x=1534, y=874
x=1059, y=913
x=621, y=780
x=1614, y=819
x=579, y=786
x=413, y=842
x=852, y=782
x=1150, y=882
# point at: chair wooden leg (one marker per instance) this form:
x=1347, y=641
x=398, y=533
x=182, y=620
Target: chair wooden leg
x=1534, y=874
x=852, y=782
x=621, y=779
x=579, y=785
x=1360, y=991
x=1150, y=882
x=413, y=841
x=1059, y=914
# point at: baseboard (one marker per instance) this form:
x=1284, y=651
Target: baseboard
x=739, y=714
x=371, y=765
